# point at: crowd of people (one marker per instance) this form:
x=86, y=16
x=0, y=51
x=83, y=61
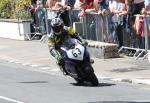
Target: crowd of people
x=123, y=15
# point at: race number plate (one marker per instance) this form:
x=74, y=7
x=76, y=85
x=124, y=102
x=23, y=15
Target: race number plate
x=76, y=53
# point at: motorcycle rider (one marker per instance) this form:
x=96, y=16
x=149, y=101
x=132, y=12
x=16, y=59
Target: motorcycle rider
x=58, y=35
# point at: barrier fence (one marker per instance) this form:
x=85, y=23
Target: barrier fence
x=139, y=37
x=95, y=27
x=147, y=32
x=136, y=35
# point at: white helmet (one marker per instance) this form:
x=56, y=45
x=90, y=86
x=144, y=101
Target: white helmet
x=57, y=25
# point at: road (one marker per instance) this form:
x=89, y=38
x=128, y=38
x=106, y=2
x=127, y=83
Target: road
x=23, y=84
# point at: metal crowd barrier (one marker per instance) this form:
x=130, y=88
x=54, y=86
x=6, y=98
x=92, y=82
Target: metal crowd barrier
x=147, y=34
x=139, y=43
x=38, y=27
x=95, y=27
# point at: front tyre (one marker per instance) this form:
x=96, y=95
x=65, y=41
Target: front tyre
x=91, y=77
x=79, y=81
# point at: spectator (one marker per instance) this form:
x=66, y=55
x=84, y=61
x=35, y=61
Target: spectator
x=57, y=5
x=71, y=3
x=118, y=11
x=138, y=23
x=146, y=11
x=33, y=6
x=111, y=37
x=129, y=37
x=77, y=5
x=130, y=7
x=44, y=2
x=40, y=17
x=66, y=4
x=74, y=11
x=111, y=4
x=101, y=6
x=33, y=2
x=139, y=4
x=85, y=4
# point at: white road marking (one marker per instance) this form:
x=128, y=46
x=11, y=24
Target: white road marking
x=11, y=100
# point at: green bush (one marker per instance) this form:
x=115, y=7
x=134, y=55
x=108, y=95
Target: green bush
x=14, y=9
x=6, y=8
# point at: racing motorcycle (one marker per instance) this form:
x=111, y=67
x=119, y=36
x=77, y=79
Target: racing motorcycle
x=76, y=55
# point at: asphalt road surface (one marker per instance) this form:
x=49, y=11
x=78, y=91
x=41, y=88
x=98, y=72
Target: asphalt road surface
x=23, y=84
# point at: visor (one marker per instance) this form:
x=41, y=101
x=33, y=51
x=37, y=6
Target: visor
x=57, y=29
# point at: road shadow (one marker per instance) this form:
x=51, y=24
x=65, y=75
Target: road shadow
x=89, y=85
x=34, y=82
x=106, y=84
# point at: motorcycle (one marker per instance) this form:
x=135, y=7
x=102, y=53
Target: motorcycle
x=76, y=56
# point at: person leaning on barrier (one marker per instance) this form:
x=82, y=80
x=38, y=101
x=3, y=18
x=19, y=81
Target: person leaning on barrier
x=40, y=21
x=118, y=10
x=146, y=12
x=56, y=38
x=102, y=7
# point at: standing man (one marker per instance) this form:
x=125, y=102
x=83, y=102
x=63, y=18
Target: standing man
x=117, y=19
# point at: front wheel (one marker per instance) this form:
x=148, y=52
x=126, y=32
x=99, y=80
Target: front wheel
x=92, y=78
x=90, y=75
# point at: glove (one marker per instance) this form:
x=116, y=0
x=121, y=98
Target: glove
x=60, y=61
x=84, y=42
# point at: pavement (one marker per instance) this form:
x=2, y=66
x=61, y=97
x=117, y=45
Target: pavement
x=36, y=54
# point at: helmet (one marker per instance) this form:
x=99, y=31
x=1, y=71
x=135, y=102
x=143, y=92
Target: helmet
x=57, y=25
